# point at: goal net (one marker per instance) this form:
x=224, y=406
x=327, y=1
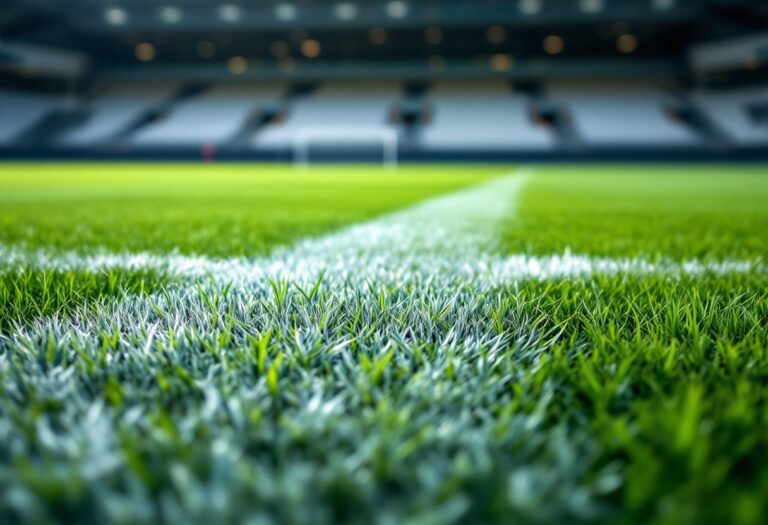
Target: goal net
x=337, y=140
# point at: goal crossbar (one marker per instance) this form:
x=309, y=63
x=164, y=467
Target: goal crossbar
x=305, y=137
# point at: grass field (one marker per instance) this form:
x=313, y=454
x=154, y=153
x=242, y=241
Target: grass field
x=463, y=344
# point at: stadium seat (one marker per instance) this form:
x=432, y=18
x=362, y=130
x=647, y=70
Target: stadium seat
x=617, y=115
x=214, y=117
x=335, y=104
x=20, y=111
x=481, y=116
x=729, y=110
x=116, y=108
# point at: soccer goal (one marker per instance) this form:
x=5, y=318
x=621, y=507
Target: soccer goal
x=344, y=138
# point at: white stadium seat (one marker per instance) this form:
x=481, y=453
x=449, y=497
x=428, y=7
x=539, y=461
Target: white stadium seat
x=335, y=104
x=481, y=115
x=729, y=111
x=114, y=109
x=607, y=115
x=211, y=118
x=20, y=111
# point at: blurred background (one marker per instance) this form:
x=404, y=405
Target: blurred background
x=384, y=80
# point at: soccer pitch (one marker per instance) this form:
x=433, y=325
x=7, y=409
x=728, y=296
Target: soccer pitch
x=438, y=344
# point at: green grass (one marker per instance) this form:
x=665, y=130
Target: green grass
x=665, y=373
x=669, y=212
x=29, y=295
x=131, y=397
x=666, y=376
x=220, y=210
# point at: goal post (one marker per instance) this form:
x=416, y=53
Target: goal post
x=344, y=137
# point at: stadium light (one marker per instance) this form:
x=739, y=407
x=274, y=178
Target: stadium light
x=116, y=16
x=529, y=7
x=345, y=11
x=286, y=12
x=310, y=48
x=591, y=6
x=501, y=62
x=171, y=15
x=237, y=65
x=230, y=13
x=627, y=43
x=554, y=45
x=663, y=5
x=433, y=35
x=496, y=34
x=397, y=9
x=377, y=36
x=145, y=52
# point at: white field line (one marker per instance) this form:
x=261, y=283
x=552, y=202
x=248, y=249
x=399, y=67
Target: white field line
x=493, y=268
x=454, y=236
x=439, y=256
x=442, y=233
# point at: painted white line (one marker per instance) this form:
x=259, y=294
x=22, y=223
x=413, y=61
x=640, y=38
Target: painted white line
x=461, y=225
x=441, y=252
x=449, y=237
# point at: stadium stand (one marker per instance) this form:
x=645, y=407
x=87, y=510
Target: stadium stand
x=20, y=111
x=444, y=80
x=214, y=117
x=362, y=105
x=481, y=115
x=737, y=113
x=614, y=115
x=114, y=110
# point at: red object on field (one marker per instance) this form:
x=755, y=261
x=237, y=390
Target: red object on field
x=208, y=152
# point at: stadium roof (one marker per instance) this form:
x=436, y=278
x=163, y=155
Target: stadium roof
x=174, y=15
x=526, y=32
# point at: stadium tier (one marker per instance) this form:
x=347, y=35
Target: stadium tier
x=482, y=116
x=451, y=79
x=20, y=110
x=213, y=117
x=618, y=115
x=353, y=105
x=742, y=115
x=114, y=111
x=448, y=116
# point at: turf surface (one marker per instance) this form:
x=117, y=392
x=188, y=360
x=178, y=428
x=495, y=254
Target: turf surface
x=212, y=210
x=667, y=212
x=193, y=209
x=405, y=388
